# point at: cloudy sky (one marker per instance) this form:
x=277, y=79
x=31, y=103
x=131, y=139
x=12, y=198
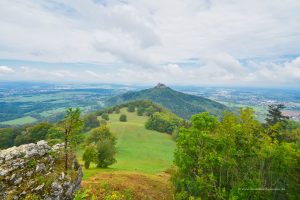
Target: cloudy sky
x=190, y=42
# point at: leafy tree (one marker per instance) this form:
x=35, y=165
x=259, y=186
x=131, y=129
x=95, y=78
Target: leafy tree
x=117, y=110
x=104, y=143
x=33, y=133
x=163, y=122
x=71, y=124
x=99, y=134
x=55, y=132
x=106, y=151
x=232, y=159
x=140, y=111
x=131, y=108
x=105, y=116
x=7, y=137
x=91, y=121
x=275, y=115
x=123, y=118
x=89, y=155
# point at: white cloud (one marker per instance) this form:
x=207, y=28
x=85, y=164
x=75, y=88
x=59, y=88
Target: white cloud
x=145, y=41
x=5, y=70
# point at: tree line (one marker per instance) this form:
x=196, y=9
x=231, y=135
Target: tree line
x=238, y=157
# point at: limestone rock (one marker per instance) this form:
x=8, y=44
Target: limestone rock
x=27, y=169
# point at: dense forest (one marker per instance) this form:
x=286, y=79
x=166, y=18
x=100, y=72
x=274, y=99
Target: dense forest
x=238, y=157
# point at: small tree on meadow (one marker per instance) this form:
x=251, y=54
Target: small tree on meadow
x=104, y=143
x=123, y=118
x=131, y=108
x=89, y=156
x=71, y=124
x=106, y=151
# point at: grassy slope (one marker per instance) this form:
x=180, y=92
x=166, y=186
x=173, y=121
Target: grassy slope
x=139, y=149
x=142, y=157
x=20, y=121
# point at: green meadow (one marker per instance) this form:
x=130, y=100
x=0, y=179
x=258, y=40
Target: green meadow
x=20, y=121
x=138, y=149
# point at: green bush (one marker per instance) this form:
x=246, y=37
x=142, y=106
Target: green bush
x=163, y=122
x=106, y=151
x=105, y=116
x=123, y=118
x=89, y=156
x=131, y=108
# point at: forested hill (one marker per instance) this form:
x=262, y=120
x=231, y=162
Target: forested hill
x=184, y=105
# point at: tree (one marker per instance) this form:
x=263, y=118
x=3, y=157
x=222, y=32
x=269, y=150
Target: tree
x=106, y=151
x=7, y=137
x=91, y=121
x=104, y=142
x=99, y=134
x=117, y=110
x=163, y=122
x=71, y=124
x=89, y=155
x=105, y=116
x=140, y=111
x=275, y=115
x=233, y=159
x=131, y=108
x=123, y=118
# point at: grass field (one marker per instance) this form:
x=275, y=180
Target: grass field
x=142, y=158
x=138, y=149
x=20, y=121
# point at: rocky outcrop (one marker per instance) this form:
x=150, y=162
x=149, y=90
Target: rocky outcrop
x=36, y=171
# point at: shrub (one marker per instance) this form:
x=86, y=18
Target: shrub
x=123, y=118
x=89, y=156
x=106, y=151
x=140, y=111
x=131, y=108
x=105, y=116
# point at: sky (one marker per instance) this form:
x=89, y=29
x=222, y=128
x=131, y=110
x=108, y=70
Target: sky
x=190, y=42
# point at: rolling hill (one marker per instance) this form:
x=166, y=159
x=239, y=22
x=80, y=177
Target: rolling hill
x=184, y=105
x=142, y=157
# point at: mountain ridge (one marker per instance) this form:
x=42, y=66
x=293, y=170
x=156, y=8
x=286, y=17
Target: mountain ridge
x=182, y=104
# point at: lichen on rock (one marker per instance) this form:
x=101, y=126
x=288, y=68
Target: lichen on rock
x=37, y=170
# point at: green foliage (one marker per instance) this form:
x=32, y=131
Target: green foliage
x=275, y=115
x=91, y=121
x=7, y=137
x=33, y=133
x=82, y=195
x=71, y=125
x=234, y=159
x=131, y=108
x=164, y=122
x=104, y=143
x=106, y=152
x=117, y=110
x=123, y=118
x=99, y=134
x=105, y=116
x=89, y=156
x=32, y=163
x=32, y=197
